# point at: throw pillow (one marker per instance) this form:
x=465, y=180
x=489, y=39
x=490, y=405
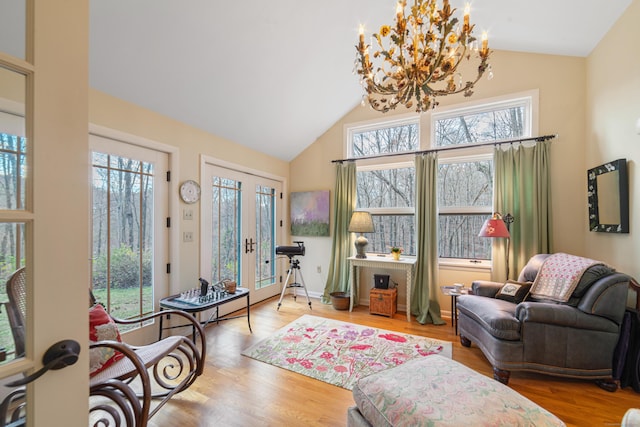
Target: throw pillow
x=101, y=328
x=514, y=292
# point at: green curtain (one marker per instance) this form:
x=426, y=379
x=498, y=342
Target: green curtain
x=522, y=188
x=344, y=202
x=424, y=296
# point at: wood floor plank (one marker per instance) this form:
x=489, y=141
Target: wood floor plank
x=238, y=391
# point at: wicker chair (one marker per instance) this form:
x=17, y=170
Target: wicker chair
x=124, y=391
x=12, y=408
x=17, y=308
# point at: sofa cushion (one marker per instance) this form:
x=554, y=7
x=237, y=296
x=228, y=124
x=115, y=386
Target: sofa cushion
x=514, y=292
x=495, y=315
x=436, y=390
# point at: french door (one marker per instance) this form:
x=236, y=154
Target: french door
x=129, y=232
x=240, y=227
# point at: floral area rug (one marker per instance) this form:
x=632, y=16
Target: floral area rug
x=340, y=353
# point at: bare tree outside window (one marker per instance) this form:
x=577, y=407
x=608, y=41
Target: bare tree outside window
x=13, y=171
x=225, y=217
x=386, y=140
x=123, y=234
x=388, y=190
x=465, y=188
x=265, y=249
x=464, y=185
x=495, y=125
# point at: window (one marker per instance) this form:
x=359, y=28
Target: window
x=465, y=176
x=386, y=187
x=123, y=234
x=13, y=169
x=386, y=175
x=129, y=225
x=465, y=199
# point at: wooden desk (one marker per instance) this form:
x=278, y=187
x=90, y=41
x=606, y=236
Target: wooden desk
x=382, y=262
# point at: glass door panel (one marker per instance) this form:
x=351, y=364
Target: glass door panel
x=226, y=208
x=265, y=236
x=129, y=195
x=239, y=230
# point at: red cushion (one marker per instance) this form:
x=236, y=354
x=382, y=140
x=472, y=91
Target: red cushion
x=102, y=328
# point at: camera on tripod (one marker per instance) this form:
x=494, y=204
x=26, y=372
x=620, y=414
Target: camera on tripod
x=291, y=251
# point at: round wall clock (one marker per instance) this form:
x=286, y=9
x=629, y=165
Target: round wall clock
x=190, y=191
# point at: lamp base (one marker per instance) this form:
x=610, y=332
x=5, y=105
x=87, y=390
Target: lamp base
x=360, y=244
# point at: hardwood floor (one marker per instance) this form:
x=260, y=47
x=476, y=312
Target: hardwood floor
x=238, y=391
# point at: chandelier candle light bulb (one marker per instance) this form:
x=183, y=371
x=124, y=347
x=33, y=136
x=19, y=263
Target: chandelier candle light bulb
x=416, y=59
x=467, y=12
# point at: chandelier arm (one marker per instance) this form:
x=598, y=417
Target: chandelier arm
x=468, y=86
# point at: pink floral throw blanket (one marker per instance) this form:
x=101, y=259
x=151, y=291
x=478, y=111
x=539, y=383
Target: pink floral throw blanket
x=559, y=276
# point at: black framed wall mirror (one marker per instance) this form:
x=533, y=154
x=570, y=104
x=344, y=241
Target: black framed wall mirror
x=608, y=191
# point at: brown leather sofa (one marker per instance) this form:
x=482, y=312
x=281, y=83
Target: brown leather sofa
x=575, y=339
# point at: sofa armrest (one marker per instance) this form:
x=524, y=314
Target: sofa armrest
x=561, y=315
x=486, y=288
x=607, y=297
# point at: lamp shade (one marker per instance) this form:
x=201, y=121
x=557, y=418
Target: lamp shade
x=494, y=227
x=361, y=222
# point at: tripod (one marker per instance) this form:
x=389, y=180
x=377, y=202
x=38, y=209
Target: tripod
x=294, y=265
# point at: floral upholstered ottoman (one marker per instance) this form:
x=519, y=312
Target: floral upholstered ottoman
x=437, y=391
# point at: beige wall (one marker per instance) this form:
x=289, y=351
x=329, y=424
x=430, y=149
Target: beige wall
x=613, y=109
x=191, y=143
x=560, y=81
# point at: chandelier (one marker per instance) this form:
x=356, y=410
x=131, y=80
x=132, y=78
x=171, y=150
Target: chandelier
x=418, y=58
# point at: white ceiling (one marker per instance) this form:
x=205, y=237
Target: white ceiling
x=275, y=75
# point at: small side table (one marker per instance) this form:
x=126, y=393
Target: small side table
x=454, y=293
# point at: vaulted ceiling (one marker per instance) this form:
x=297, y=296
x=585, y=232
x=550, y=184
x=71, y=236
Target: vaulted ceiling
x=275, y=75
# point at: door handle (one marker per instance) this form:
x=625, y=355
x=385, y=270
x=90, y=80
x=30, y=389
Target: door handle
x=248, y=245
x=60, y=355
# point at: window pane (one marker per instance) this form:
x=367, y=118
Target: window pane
x=459, y=237
x=266, y=236
x=12, y=171
x=13, y=27
x=395, y=139
x=465, y=184
x=123, y=234
x=225, y=227
x=392, y=230
x=12, y=252
x=386, y=188
x=500, y=124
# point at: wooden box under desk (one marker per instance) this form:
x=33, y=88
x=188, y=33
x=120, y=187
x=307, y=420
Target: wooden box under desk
x=383, y=301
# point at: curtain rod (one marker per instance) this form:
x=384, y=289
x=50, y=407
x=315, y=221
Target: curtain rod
x=456, y=147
